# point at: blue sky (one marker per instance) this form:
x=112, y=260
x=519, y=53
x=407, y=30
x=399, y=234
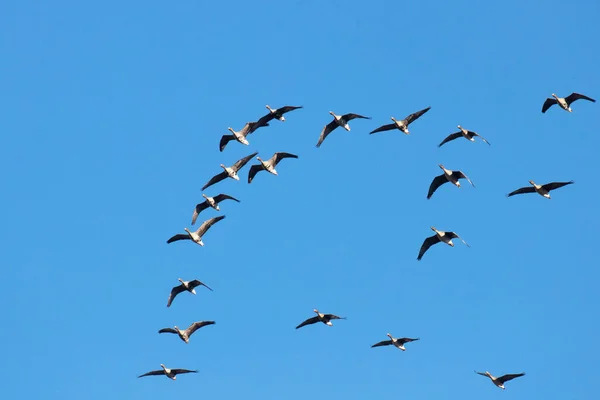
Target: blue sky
x=111, y=119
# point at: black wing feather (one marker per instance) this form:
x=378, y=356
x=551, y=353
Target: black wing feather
x=556, y=185
x=450, y=137
x=427, y=243
x=527, y=189
x=327, y=129
x=219, y=198
x=436, y=183
x=577, y=96
x=351, y=116
x=241, y=162
x=179, y=236
x=414, y=116
x=309, y=321
x=174, y=292
x=255, y=169
x=550, y=101
x=383, y=128
x=215, y=179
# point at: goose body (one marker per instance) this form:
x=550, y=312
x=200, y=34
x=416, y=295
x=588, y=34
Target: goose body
x=338, y=121
x=396, y=342
x=169, y=373
x=189, y=286
x=564, y=102
x=185, y=334
x=402, y=124
x=448, y=176
x=440, y=236
x=268, y=165
x=542, y=190
x=196, y=236
x=212, y=202
x=467, y=134
x=320, y=317
x=499, y=381
x=229, y=172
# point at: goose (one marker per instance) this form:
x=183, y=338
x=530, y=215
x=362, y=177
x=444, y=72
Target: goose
x=499, y=381
x=169, y=373
x=268, y=165
x=229, y=172
x=210, y=202
x=440, y=236
x=185, y=334
x=542, y=190
x=447, y=176
x=276, y=113
x=189, y=286
x=564, y=102
x=470, y=135
x=196, y=237
x=320, y=317
x=397, y=342
x=239, y=136
x=338, y=120
x=402, y=124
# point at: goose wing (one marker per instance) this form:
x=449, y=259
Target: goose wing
x=255, y=169
x=460, y=174
x=224, y=140
x=454, y=235
x=157, y=372
x=207, y=224
x=450, y=137
x=250, y=127
x=326, y=131
x=427, y=243
x=481, y=137
x=556, y=185
x=407, y=340
x=179, y=236
x=332, y=316
x=197, y=325
x=508, y=377
x=550, y=101
x=219, y=198
x=167, y=330
x=198, y=209
x=280, y=156
x=215, y=179
x=196, y=283
x=241, y=162
x=351, y=116
x=414, y=116
x=383, y=128
x=576, y=96
x=182, y=371
x=526, y=189
x=309, y=321
x=285, y=109
x=382, y=343
x=436, y=183
x=174, y=292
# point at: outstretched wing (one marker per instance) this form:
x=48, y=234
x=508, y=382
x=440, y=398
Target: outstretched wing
x=219, y=198
x=548, y=103
x=427, y=243
x=174, y=292
x=460, y=174
x=280, y=156
x=179, y=236
x=454, y=235
x=527, y=189
x=450, y=137
x=167, y=330
x=332, y=316
x=250, y=127
x=255, y=169
x=326, y=131
x=157, y=372
x=207, y=224
x=382, y=343
x=308, y=322
x=241, y=162
x=556, y=185
x=481, y=137
x=224, y=140
x=351, y=116
x=383, y=128
x=414, y=116
x=197, y=325
x=285, y=109
x=196, y=283
x=436, y=183
x=576, y=96
x=197, y=210
x=508, y=377
x=215, y=179
x=407, y=340
x=182, y=371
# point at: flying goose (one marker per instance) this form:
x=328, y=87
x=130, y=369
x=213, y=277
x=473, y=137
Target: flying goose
x=402, y=124
x=268, y=165
x=564, y=102
x=320, y=317
x=338, y=120
x=464, y=133
x=185, y=334
x=397, y=342
x=276, y=113
x=170, y=373
x=440, y=236
x=210, y=202
x=499, y=381
x=230, y=172
x=447, y=176
x=542, y=190
x=189, y=286
x=239, y=136
x=196, y=237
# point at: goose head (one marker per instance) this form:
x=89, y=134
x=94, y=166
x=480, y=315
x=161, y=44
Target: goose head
x=223, y=166
x=187, y=230
x=176, y=328
x=316, y=311
x=442, y=166
x=555, y=96
x=389, y=335
x=259, y=159
x=394, y=119
x=332, y=113
x=205, y=196
x=459, y=127
x=433, y=228
x=230, y=129
x=532, y=183
x=269, y=108
x=163, y=367
x=180, y=280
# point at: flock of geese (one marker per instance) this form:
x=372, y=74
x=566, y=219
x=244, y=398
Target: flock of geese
x=270, y=166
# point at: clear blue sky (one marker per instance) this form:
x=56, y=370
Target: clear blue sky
x=111, y=115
